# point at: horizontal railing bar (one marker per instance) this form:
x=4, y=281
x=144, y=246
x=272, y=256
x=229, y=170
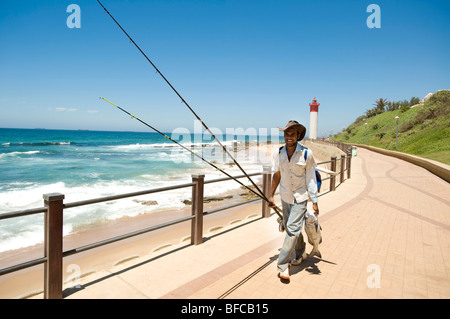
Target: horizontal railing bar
x=21, y=213
x=321, y=194
x=218, y=209
x=227, y=178
x=113, y=197
x=24, y=265
x=121, y=196
x=121, y=237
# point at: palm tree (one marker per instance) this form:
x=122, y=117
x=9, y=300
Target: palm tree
x=414, y=101
x=380, y=104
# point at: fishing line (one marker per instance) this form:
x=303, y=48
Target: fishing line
x=183, y=101
x=193, y=153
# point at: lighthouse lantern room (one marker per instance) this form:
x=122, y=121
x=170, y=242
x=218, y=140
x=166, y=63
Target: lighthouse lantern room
x=313, y=118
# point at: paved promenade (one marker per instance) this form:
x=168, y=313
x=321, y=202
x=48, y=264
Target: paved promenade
x=386, y=234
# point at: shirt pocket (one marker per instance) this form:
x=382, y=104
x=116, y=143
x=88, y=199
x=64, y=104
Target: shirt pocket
x=299, y=167
x=283, y=161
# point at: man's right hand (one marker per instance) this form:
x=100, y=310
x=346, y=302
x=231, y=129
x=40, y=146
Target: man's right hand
x=271, y=202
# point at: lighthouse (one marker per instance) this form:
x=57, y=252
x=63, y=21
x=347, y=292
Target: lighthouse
x=313, y=118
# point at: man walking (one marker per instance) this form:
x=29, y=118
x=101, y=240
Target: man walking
x=295, y=173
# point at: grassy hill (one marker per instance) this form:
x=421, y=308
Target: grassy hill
x=423, y=130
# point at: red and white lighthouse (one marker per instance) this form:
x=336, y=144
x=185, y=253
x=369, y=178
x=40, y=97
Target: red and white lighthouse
x=313, y=118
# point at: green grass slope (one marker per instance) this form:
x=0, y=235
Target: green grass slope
x=423, y=130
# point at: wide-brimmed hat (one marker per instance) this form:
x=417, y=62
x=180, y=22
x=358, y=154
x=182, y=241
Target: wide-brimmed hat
x=295, y=125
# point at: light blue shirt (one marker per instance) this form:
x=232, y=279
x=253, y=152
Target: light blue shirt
x=298, y=177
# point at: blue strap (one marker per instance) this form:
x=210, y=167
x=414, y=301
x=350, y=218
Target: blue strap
x=306, y=151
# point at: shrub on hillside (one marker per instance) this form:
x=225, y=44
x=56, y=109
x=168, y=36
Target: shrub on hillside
x=438, y=105
x=441, y=102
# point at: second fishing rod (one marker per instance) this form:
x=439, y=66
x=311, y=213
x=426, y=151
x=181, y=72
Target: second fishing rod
x=184, y=101
x=276, y=209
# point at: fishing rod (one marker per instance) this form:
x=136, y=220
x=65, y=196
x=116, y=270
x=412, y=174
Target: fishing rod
x=183, y=101
x=193, y=153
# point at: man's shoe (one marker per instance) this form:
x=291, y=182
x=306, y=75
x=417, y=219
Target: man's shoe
x=285, y=274
x=298, y=261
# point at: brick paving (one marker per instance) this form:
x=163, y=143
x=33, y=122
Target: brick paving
x=386, y=234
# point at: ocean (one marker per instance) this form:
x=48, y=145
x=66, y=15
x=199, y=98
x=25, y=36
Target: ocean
x=89, y=164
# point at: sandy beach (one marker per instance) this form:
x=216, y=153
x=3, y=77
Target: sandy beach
x=29, y=282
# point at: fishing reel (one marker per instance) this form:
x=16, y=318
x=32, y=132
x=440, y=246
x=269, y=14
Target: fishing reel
x=281, y=227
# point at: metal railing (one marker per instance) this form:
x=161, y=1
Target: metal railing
x=53, y=221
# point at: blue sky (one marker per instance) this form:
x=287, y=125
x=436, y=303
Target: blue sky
x=238, y=63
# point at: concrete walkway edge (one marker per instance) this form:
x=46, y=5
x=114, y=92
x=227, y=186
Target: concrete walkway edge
x=440, y=169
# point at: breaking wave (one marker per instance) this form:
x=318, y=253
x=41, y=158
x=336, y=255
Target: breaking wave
x=35, y=143
x=4, y=155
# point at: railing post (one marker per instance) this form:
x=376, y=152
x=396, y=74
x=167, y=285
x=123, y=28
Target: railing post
x=53, y=225
x=333, y=177
x=197, y=209
x=225, y=154
x=349, y=163
x=267, y=183
x=342, y=168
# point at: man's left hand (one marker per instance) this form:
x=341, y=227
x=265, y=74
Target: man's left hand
x=315, y=207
